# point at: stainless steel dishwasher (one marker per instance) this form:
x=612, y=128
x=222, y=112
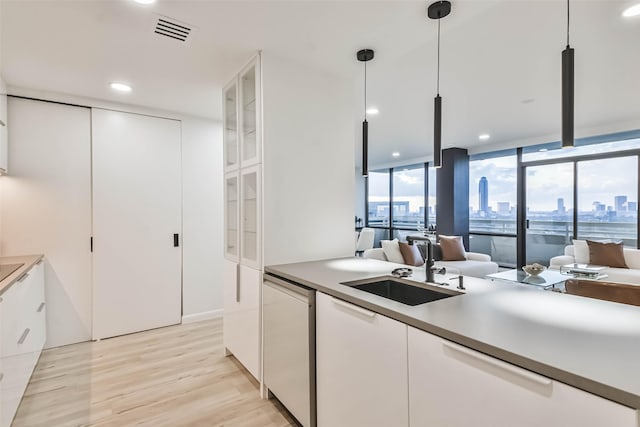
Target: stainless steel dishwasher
x=290, y=346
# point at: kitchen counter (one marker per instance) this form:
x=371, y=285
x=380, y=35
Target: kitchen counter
x=590, y=344
x=27, y=262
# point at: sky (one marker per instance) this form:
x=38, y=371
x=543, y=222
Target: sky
x=598, y=180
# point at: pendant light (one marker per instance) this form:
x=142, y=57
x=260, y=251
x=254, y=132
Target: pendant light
x=438, y=10
x=567, y=91
x=365, y=55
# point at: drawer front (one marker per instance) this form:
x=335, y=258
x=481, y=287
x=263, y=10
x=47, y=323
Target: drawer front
x=444, y=376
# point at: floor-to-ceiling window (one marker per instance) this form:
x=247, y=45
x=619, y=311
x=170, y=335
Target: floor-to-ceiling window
x=401, y=201
x=588, y=192
x=607, y=199
x=492, y=206
x=378, y=203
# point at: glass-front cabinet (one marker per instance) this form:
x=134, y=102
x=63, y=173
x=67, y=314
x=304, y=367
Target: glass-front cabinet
x=230, y=107
x=231, y=214
x=250, y=180
x=250, y=117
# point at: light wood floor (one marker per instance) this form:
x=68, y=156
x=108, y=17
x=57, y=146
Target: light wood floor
x=174, y=376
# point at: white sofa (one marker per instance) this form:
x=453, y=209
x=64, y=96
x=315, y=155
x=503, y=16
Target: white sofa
x=476, y=265
x=620, y=275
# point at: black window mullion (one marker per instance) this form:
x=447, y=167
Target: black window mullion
x=426, y=195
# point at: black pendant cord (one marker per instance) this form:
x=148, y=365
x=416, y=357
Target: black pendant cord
x=365, y=91
x=568, y=17
x=438, y=71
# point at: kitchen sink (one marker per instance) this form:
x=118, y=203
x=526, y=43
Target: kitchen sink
x=401, y=291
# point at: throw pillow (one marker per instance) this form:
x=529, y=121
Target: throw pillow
x=411, y=254
x=581, y=251
x=606, y=254
x=392, y=250
x=452, y=248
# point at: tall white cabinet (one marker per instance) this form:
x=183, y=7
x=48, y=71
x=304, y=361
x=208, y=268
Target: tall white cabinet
x=289, y=187
x=243, y=217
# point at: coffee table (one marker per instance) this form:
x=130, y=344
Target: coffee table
x=545, y=280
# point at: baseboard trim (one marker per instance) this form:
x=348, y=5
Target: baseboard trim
x=205, y=315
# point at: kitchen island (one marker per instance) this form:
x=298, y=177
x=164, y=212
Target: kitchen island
x=577, y=359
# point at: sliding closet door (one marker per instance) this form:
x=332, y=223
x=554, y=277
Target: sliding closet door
x=136, y=213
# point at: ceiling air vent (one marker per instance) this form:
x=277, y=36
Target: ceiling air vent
x=170, y=27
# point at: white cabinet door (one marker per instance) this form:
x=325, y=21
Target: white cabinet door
x=250, y=114
x=136, y=216
x=454, y=386
x=230, y=132
x=241, y=327
x=46, y=208
x=23, y=336
x=361, y=363
x=231, y=216
x=251, y=216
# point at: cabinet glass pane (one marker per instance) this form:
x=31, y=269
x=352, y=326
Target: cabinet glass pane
x=249, y=115
x=231, y=126
x=232, y=216
x=250, y=216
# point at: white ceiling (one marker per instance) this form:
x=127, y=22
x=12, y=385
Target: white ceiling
x=495, y=55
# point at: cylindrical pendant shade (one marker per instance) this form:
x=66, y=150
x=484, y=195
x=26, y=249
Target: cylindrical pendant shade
x=437, y=132
x=365, y=148
x=567, y=97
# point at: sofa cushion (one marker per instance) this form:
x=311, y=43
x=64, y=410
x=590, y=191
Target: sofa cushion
x=581, y=251
x=632, y=258
x=622, y=275
x=392, y=250
x=452, y=248
x=607, y=254
x=411, y=254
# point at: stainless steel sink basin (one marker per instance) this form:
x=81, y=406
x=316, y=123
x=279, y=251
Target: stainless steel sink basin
x=405, y=292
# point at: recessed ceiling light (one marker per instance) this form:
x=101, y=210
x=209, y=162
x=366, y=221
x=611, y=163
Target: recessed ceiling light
x=632, y=11
x=372, y=110
x=395, y=154
x=145, y=1
x=120, y=87
x=484, y=136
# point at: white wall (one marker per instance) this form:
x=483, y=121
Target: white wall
x=308, y=163
x=202, y=215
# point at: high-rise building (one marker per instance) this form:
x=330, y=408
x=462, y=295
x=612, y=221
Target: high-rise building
x=504, y=208
x=483, y=194
x=620, y=203
x=632, y=206
x=561, y=208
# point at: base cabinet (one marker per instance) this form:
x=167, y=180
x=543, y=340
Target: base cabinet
x=241, y=327
x=23, y=337
x=361, y=362
x=452, y=385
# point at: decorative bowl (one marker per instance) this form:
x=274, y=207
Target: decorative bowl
x=534, y=269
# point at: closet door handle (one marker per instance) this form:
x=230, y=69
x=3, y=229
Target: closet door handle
x=24, y=336
x=176, y=240
x=24, y=276
x=41, y=307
